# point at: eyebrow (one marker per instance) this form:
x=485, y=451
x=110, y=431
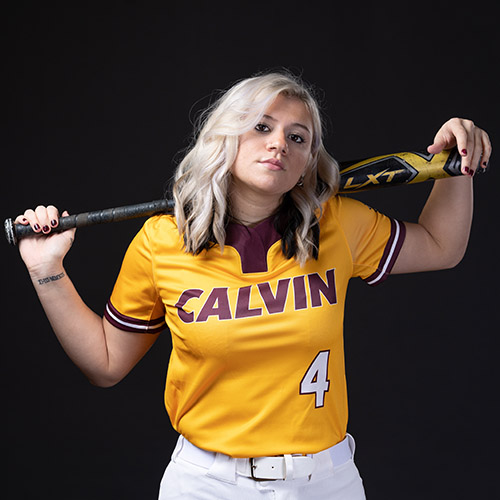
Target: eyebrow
x=296, y=124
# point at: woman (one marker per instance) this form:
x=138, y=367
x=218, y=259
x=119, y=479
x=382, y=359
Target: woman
x=250, y=275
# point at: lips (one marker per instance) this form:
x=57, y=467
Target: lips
x=272, y=163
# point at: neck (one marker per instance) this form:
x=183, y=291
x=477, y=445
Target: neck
x=249, y=212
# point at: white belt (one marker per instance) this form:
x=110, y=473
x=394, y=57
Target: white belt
x=264, y=468
x=272, y=468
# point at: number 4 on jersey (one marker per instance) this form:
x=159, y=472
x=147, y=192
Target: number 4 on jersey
x=315, y=381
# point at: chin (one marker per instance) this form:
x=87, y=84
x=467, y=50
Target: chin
x=277, y=190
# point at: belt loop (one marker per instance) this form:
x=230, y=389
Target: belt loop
x=352, y=444
x=178, y=448
x=343, y=451
x=288, y=466
x=223, y=468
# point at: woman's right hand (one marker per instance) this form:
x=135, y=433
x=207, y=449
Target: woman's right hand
x=44, y=251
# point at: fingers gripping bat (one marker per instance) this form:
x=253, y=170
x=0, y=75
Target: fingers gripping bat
x=360, y=175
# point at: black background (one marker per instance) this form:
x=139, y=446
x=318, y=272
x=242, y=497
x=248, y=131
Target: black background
x=99, y=100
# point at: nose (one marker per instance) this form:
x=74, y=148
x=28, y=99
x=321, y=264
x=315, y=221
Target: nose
x=277, y=142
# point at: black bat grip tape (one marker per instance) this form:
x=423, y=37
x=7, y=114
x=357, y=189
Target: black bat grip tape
x=15, y=232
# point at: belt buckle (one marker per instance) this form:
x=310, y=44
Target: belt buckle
x=254, y=477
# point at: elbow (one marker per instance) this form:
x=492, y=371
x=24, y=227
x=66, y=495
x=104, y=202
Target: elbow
x=452, y=259
x=445, y=251
x=104, y=381
x=454, y=263
x=102, y=384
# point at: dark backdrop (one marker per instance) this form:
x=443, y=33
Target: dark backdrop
x=99, y=101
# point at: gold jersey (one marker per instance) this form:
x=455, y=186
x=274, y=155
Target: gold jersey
x=257, y=364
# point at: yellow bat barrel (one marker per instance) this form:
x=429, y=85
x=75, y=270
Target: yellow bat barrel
x=398, y=168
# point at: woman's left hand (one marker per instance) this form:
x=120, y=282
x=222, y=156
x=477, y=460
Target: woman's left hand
x=472, y=142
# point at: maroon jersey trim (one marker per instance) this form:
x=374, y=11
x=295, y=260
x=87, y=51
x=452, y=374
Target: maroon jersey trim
x=129, y=324
x=391, y=252
x=252, y=244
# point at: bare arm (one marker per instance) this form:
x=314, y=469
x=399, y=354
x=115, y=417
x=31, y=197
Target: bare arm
x=439, y=239
x=104, y=353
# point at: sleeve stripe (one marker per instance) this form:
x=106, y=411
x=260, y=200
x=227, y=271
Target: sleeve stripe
x=132, y=324
x=391, y=252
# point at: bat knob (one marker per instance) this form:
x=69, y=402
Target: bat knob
x=10, y=233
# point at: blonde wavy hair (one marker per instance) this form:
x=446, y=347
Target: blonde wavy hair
x=203, y=177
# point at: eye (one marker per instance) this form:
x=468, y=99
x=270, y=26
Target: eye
x=297, y=138
x=262, y=127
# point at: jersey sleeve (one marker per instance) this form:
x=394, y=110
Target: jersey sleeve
x=374, y=239
x=135, y=304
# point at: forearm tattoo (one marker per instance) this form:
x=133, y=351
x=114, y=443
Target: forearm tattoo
x=48, y=279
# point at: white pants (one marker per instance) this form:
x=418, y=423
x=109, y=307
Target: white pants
x=195, y=474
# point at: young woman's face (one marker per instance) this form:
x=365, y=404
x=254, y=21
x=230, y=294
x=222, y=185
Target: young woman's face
x=273, y=156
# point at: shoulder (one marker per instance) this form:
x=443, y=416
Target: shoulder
x=157, y=232
x=357, y=220
x=160, y=227
x=160, y=222
x=343, y=207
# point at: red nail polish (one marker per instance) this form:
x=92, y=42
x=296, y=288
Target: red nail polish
x=464, y=152
x=466, y=170
x=45, y=229
x=471, y=172
x=53, y=222
x=36, y=227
